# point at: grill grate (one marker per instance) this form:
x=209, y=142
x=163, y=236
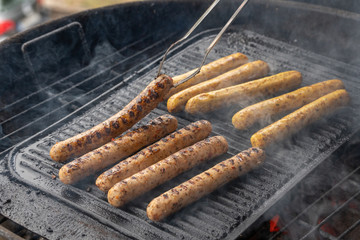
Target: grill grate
x=233, y=207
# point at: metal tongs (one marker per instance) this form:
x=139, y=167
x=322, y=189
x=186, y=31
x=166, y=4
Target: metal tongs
x=213, y=43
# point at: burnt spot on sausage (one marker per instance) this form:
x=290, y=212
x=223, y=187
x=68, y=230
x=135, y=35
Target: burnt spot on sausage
x=160, y=85
x=164, y=140
x=215, y=169
x=107, y=130
x=124, y=120
x=190, y=149
x=162, y=170
x=153, y=94
x=133, y=177
x=79, y=143
x=207, y=173
x=145, y=127
x=98, y=135
x=115, y=124
x=172, y=135
x=223, y=165
x=187, y=128
x=88, y=139
x=131, y=114
x=165, y=196
x=175, y=191
x=106, y=147
x=138, y=107
x=255, y=150
x=155, y=145
x=146, y=100
x=70, y=148
x=232, y=161
x=247, y=153
x=194, y=125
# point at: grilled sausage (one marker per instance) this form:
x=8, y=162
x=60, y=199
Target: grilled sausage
x=170, y=144
x=97, y=136
x=243, y=93
x=166, y=169
x=262, y=111
x=209, y=71
x=117, y=149
x=300, y=118
x=244, y=73
x=204, y=183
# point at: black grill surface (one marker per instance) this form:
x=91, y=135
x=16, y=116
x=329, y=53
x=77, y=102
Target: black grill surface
x=224, y=213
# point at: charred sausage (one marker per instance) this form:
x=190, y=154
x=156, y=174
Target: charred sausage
x=300, y=118
x=117, y=149
x=97, y=136
x=209, y=71
x=166, y=169
x=265, y=110
x=170, y=144
x=244, y=73
x=204, y=183
x=243, y=94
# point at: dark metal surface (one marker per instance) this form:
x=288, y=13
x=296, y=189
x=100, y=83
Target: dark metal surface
x=118, y=71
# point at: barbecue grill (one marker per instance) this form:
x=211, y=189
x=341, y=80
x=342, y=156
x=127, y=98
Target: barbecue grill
x=66, y=76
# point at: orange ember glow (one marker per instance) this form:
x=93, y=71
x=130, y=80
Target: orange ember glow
x=273, y=224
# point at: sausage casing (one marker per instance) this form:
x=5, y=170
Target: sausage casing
x=204, y=183
x=102, y=133
x=244, y=73
x=209, y=71
x=243, y=94
x=117, y=149
x=170, y=144
x=300, y=118
x=166, y=169
x=265, y=110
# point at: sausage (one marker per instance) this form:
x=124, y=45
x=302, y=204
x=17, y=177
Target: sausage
x=300, y=118
x=209, y=71
x=244, y=73
x=97, y=136
x=170, y=144
x=166, y=169
x=243, y=93
x=204, y=183
x=117, y=149
x=265, y=110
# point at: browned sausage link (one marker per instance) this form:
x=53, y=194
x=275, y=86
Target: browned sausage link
x=243, y=94
x=204, y=183
x=300, y=118
x=170, y=144
x=244, y=73
x=208, y=71
x=117, y=149
x=97, y=136
x=265, y=110
x=166, y=169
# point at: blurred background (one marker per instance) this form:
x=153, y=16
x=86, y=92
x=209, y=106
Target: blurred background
x=18, y=15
